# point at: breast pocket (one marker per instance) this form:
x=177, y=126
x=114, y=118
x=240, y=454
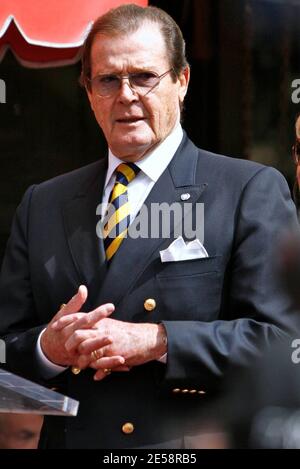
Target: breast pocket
x=191, y=290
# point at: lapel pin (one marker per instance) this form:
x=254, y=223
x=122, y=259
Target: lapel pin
x=185, y=196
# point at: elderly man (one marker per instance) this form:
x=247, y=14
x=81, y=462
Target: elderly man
x=149, y=325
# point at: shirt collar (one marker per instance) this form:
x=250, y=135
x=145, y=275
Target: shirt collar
x=154, y=163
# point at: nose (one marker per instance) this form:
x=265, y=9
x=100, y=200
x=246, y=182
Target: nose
x=126, y=92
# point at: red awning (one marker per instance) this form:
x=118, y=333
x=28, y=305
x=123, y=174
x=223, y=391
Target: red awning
x=50, y=33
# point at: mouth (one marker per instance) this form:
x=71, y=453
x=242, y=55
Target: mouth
x=130, y=120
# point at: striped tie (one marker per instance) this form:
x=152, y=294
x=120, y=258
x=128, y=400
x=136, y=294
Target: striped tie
x=118, y=222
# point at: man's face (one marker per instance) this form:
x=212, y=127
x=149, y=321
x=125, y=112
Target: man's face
x=134, y=124
x=20, y=431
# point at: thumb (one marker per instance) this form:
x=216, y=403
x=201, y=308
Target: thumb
x=75, y=303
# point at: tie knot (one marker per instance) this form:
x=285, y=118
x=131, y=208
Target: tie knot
x=126, y=172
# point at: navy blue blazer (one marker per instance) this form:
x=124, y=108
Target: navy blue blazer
x=217, y=310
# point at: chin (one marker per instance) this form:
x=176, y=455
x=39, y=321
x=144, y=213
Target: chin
x=136, y=148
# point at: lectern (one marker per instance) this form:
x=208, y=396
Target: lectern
x=18, y=395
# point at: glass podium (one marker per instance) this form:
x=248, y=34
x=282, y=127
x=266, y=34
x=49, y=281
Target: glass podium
x=18, y=395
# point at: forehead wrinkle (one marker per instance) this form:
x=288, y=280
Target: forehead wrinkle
x=127, y=63
x=128, y=53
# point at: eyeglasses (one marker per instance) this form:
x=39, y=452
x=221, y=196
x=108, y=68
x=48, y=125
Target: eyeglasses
x=140, y=82
x=296, y=151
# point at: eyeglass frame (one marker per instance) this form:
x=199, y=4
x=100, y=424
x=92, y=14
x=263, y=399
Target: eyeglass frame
x=122, y=77
x=296, y=151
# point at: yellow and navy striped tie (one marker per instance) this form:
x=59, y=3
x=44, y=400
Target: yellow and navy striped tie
x=117, y=225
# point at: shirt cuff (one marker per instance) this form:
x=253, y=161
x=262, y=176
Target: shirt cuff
x=48, y=369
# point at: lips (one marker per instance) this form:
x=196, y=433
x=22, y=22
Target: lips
x=129, y=120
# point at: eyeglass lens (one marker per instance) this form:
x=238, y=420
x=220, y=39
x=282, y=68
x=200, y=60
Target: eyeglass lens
x=107, y=85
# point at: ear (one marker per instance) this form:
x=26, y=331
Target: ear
x=184, y=80
x=298, y=175
x=298, y=127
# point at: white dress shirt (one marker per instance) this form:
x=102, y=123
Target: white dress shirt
x=151, y=168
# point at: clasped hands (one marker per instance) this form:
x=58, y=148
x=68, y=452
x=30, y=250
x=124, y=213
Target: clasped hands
x=94, y=340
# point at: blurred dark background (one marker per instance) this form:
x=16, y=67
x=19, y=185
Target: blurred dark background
x=244, y=56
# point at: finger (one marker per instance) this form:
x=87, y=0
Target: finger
x=83, y=361
x=91, y=318
x=87, y=346
x=85, y=321
x=99, y=375
x=108, y=362
x=103, y=373
x=64, y=321
x=82, y=335
x=75, y=303
x=122, y=368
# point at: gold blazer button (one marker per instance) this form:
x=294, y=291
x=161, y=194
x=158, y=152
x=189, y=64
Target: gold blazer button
x=176, y=390
x=150, y=304
x=128, y=428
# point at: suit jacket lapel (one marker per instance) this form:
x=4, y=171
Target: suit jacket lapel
x=134, y=255
x=80, y=224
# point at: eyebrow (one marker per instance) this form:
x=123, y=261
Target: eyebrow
x=134, y=70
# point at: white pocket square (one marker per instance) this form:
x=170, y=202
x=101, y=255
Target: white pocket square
x=179, y=250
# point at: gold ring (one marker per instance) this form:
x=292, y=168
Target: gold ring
x=75, y=370
x=62, y=305
x=107, y=371
x=96, y=355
